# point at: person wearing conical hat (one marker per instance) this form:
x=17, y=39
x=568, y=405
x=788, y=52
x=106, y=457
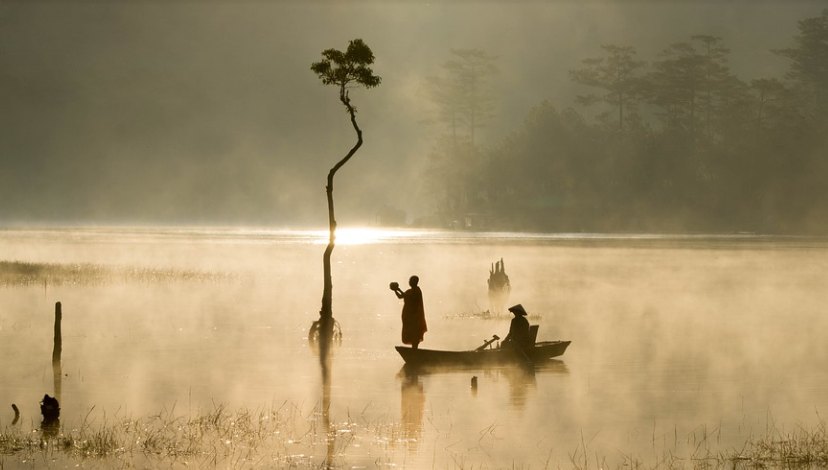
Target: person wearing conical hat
x=518, y=336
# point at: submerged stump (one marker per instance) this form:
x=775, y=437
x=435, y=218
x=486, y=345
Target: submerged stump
x=499, y=287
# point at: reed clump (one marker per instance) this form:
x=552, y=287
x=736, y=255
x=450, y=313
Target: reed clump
x=799, y=449
x=478, y=313
x=24, y=274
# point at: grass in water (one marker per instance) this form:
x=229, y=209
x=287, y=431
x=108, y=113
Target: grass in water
x=288, y=438
x=802, y=448
x=211, y=436
x=284, y=437
x=21, y=274
x=479, y=314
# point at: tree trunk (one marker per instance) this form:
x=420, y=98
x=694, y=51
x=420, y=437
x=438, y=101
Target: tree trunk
x=326, y=321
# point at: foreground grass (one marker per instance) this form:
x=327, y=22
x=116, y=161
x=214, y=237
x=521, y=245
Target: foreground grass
x=802, y=449
x=21, y=274
x=216, y=438
x=285, y=437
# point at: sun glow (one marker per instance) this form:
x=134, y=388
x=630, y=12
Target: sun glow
x=365, y=235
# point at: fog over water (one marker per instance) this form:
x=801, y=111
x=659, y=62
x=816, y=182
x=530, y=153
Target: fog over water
x=162, y=176
x=674, y=339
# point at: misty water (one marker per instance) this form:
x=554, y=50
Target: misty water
x=680, y=344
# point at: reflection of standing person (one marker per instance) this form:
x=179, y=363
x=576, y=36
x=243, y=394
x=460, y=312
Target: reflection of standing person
x=412, y=406
x=413, y=312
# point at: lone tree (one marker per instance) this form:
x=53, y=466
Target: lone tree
x=343, y=69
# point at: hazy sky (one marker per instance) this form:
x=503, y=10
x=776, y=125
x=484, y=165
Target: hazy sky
x=208, y=113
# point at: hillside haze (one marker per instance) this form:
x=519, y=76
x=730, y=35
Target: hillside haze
x=189, y=113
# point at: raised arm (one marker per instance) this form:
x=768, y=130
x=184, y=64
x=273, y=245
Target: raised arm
x=396, y=288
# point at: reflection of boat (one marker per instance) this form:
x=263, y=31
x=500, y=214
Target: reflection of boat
x=414, y=371
x=540, y=352
x=520, y=376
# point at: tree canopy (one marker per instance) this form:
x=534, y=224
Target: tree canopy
x=685, y=145
x=341, y=68
x=618, y=74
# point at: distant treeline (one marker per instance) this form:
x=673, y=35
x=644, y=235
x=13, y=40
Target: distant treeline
x=680, y=144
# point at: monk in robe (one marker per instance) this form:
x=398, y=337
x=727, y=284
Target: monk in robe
x=413, y=312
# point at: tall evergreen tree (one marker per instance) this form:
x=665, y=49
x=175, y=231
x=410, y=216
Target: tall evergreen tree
x=618, y=74
x=809, y=66
x=771, y=94
x=463, y=103
x=677, y=82
x=469, y=72
x=716, y=80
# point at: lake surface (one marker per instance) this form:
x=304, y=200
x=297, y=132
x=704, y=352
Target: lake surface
x=683, y=345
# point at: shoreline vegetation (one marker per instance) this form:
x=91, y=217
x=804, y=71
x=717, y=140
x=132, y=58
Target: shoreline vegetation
x=675, y=140
x=288, y=437
x=26, y=274
x=478, y=313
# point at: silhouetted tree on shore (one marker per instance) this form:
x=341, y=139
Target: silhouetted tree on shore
x=683, y=145
x=617, y=74
x=343, y=69
x=462, y=103
x=809, y=69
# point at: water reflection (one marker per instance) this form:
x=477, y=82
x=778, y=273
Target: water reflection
x=412, y=406
x=330, y=433
x=521, y=378
x=325, y=352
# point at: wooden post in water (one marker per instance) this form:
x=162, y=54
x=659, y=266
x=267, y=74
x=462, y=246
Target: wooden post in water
x=58, y=340
x=57, y=350
x=50, y=406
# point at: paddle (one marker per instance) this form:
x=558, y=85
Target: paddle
x=487, y=343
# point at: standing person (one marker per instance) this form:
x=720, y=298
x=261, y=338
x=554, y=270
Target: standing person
x=413, y=312
x=518, y=336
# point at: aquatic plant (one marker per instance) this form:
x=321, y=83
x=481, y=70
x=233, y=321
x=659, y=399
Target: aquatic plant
x=23, y=274
x=478, y=313
x=286, y=437
x=802, y=448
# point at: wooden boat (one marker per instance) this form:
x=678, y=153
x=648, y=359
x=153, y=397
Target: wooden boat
x=540, y=352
